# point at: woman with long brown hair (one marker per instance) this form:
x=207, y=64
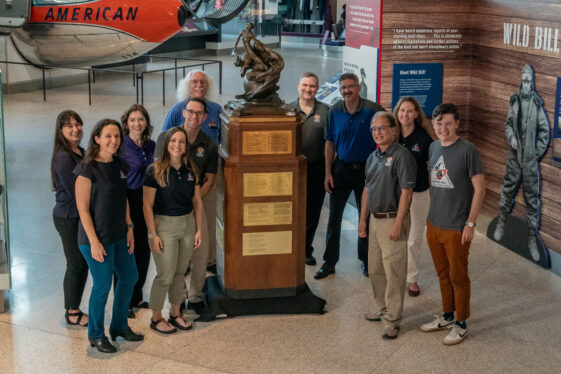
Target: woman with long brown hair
x=410, y=117
x=67, y=153
x=171, y=196
x=105, y=233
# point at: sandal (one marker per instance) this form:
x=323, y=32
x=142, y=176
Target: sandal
x=154, y=326
x=79, y=314
x=172, y=321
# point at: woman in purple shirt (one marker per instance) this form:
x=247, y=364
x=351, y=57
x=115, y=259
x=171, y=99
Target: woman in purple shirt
x=138, y=152
x=67, y=153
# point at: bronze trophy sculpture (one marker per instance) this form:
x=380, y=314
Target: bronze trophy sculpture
x=260, y=68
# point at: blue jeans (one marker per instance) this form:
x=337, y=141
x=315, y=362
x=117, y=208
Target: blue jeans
x=119, y=261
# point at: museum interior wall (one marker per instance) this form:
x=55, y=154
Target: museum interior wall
x=482, y=69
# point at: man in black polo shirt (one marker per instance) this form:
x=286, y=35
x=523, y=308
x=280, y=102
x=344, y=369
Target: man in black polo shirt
x=315, y=117
x=204, y=153
x=348, y=136
x=390, y=177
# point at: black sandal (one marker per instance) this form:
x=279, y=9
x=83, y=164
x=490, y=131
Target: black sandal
x=154, y=326
x=172, y=321
x=79, y=314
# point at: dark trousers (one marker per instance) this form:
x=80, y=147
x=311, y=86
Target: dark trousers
x=117, y=261
x=141, y=247
x=314, y=200
x=347, y=178
x=76, y=266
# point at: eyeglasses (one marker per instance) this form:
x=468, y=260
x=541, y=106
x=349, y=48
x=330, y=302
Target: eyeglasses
x=381, y=128
x=194, y=112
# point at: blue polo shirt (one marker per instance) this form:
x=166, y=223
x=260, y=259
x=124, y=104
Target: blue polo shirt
x=211, y=126
x=350, y=133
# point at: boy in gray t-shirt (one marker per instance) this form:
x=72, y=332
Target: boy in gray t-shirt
x=457, y=191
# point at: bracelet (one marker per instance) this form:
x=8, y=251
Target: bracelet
x=152, y=235
x=130, y=226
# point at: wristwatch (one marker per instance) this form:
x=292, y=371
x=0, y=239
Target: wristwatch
x=470, y=224
x=152, y=235
x=130, y=226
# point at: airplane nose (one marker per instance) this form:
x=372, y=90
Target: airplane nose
x=182, y=15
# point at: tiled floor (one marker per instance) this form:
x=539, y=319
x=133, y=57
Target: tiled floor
x=515, y=304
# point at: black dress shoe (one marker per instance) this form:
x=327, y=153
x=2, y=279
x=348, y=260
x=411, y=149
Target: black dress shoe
x=211, y=269
x=310, y=260
x=102, y=344
x=324, y=271
x=131, y=314
x=364, y=268
x=127, y=334
x=199, y=307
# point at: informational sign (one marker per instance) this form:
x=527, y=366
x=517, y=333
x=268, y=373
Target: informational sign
x=557, y=130
x=362, y=43
x=328, y=92
x=267, y=243
x=363, y=23
x=266, y=142
x=264, y=214
x=422, y=81
x=363, y=63
x=267, y=184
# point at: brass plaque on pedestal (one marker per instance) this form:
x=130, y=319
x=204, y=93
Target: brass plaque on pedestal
x=267, y=243
x=267, y=184
x=265, y=214
x=266, y=142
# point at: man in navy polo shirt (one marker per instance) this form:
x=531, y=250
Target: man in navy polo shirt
x=348, y=143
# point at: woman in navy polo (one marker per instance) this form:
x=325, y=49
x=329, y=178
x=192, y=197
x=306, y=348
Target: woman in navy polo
x=105, y=232
x=171, y=196
x=67, y=153
x=410, y=117
x=138, y=152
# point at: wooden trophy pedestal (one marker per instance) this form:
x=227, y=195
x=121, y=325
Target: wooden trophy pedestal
x=261, y=204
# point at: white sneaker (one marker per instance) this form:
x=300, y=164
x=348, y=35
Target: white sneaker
x=456, y=336
x=438, y=324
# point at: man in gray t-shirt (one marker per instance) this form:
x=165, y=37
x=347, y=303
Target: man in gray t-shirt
x=390, y=177
x=457, y=191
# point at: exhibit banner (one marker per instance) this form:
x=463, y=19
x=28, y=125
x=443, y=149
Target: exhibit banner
x=361, y=51
x=363, y=63
x=363, y=23
x=422, y=81
x=557, y=130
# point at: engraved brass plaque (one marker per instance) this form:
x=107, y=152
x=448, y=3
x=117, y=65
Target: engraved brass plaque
x=262, y=214
x=266, y=142
x=267, y=184
x=267, y=243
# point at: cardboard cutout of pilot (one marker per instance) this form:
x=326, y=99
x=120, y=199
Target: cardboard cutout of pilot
x=527, y=133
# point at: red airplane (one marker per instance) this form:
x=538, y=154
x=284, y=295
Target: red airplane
x=75, y=33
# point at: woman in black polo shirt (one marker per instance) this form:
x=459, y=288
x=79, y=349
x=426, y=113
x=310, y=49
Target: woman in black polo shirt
x=410, y=117
x=171, y=194
x=67, y=153
x=105, y=234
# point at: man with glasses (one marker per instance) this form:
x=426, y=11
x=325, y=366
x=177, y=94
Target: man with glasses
x=204, y=153
x=199, y=85
x=391, y=172
x=348, y=143
x=456, y=194
x=315, y=116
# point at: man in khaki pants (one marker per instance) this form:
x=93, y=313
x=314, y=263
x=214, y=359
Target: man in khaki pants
x=390, y=177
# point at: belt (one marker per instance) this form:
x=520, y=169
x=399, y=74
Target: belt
x=354, y=166
x=385, y=215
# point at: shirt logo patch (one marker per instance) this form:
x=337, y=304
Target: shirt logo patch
x=389, y=161
x=416, y=148
x=190, y=177
x=439, y=175
x=200, y=152
x=317, y=118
